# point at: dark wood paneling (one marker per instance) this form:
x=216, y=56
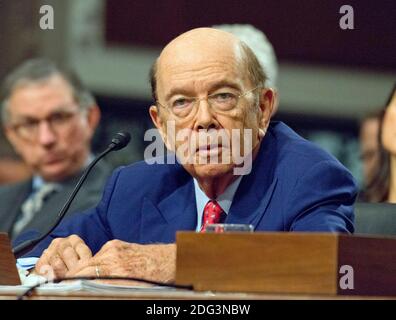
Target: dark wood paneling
x=373, y=260
x=300, y=30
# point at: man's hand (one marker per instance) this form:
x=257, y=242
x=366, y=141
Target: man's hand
x=117, y=258
x=63, y=255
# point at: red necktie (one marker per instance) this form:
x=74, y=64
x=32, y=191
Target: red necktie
x=213, y=213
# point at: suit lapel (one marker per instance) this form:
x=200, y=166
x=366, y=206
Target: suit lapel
x=51, y=208
x=12, y=202
x=175, y=212
x=256, y=189
x=178, y=210
x=250, y=209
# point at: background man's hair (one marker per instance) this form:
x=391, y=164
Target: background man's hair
x=251, y=63
x=260, y=45
x=252, y=66
x=39, y=70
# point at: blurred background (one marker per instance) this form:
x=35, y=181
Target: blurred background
x=328, y=80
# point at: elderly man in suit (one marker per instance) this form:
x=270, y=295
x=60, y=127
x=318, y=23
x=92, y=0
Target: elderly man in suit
x=205, y=81
x=49, y=118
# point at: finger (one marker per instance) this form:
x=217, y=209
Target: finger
x=42, y=261
x=55, y=244
x=66, y=252
x=87, y=271
x=80, y=266
x=74, y=240
x=48, y=255
x=80, y=247
x=69, y=257
x=62, y=245
x=83, y=251
x=58, y=265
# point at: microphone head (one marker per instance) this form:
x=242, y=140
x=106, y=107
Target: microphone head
x=120, y=140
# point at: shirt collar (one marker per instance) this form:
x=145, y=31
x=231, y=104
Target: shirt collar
x=38, y=182
x=224, y=200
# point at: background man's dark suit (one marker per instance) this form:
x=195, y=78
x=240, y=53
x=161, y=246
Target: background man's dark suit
x=13, y=196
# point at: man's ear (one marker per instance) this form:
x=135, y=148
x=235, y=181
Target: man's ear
x=156, y=118
x=161, y=124
x=12, y=138
x=266, y=105
x=93, y=118
x=158, y=121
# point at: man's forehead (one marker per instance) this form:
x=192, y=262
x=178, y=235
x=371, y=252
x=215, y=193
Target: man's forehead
x=52, y=94
x=203, y=44
x=201, y=54
x=52, y=85
x=199, y=36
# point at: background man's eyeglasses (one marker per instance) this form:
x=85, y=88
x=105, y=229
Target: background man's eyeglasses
x=57, y=121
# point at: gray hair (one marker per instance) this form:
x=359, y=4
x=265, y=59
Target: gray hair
x=38, y=70
x=260, y=45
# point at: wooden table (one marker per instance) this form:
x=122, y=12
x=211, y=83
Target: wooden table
x=181, y=295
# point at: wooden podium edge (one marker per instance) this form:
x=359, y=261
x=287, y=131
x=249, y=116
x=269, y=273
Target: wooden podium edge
x=372, y=259
x=8, y=271
x=299, y=267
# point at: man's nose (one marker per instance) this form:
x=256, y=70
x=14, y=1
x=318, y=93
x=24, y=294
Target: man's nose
x=45, y=135
x=204, y=118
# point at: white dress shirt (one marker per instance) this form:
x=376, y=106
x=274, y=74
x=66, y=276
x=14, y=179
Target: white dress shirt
x=224, y=200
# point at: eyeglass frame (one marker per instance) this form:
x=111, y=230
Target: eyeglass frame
x=32, y=136
x=196, y=101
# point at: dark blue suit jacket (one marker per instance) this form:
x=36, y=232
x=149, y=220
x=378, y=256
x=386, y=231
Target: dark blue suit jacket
x=293, y=186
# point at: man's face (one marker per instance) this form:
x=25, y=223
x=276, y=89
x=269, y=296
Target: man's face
x=59, y=134
x=369, y=146
x=389, y=127
x=209, y=71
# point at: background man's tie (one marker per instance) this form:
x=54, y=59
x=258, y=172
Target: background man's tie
x=213, y=213
x=33, y=204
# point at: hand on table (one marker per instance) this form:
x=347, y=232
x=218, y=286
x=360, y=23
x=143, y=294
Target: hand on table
x=63, y=255
x=71, y=257
x=118, y=258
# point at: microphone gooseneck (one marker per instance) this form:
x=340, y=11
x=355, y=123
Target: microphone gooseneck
x=119, y=141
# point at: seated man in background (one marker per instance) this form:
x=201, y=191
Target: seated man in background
x=50, y=119
x=370, y=145
x=382, y=186
x=370, y=150
x=206, y=83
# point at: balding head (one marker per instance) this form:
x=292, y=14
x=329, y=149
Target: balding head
x=204, y=42
x=208, y=83
x=206, y=45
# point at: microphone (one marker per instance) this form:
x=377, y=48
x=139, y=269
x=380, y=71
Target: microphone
x=119, y=141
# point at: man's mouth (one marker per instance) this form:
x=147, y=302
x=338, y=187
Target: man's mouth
x=209, y=149
x=52, y=159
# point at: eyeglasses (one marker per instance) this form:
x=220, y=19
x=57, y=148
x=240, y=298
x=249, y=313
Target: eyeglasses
x=58, y=122
x=221, y=102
